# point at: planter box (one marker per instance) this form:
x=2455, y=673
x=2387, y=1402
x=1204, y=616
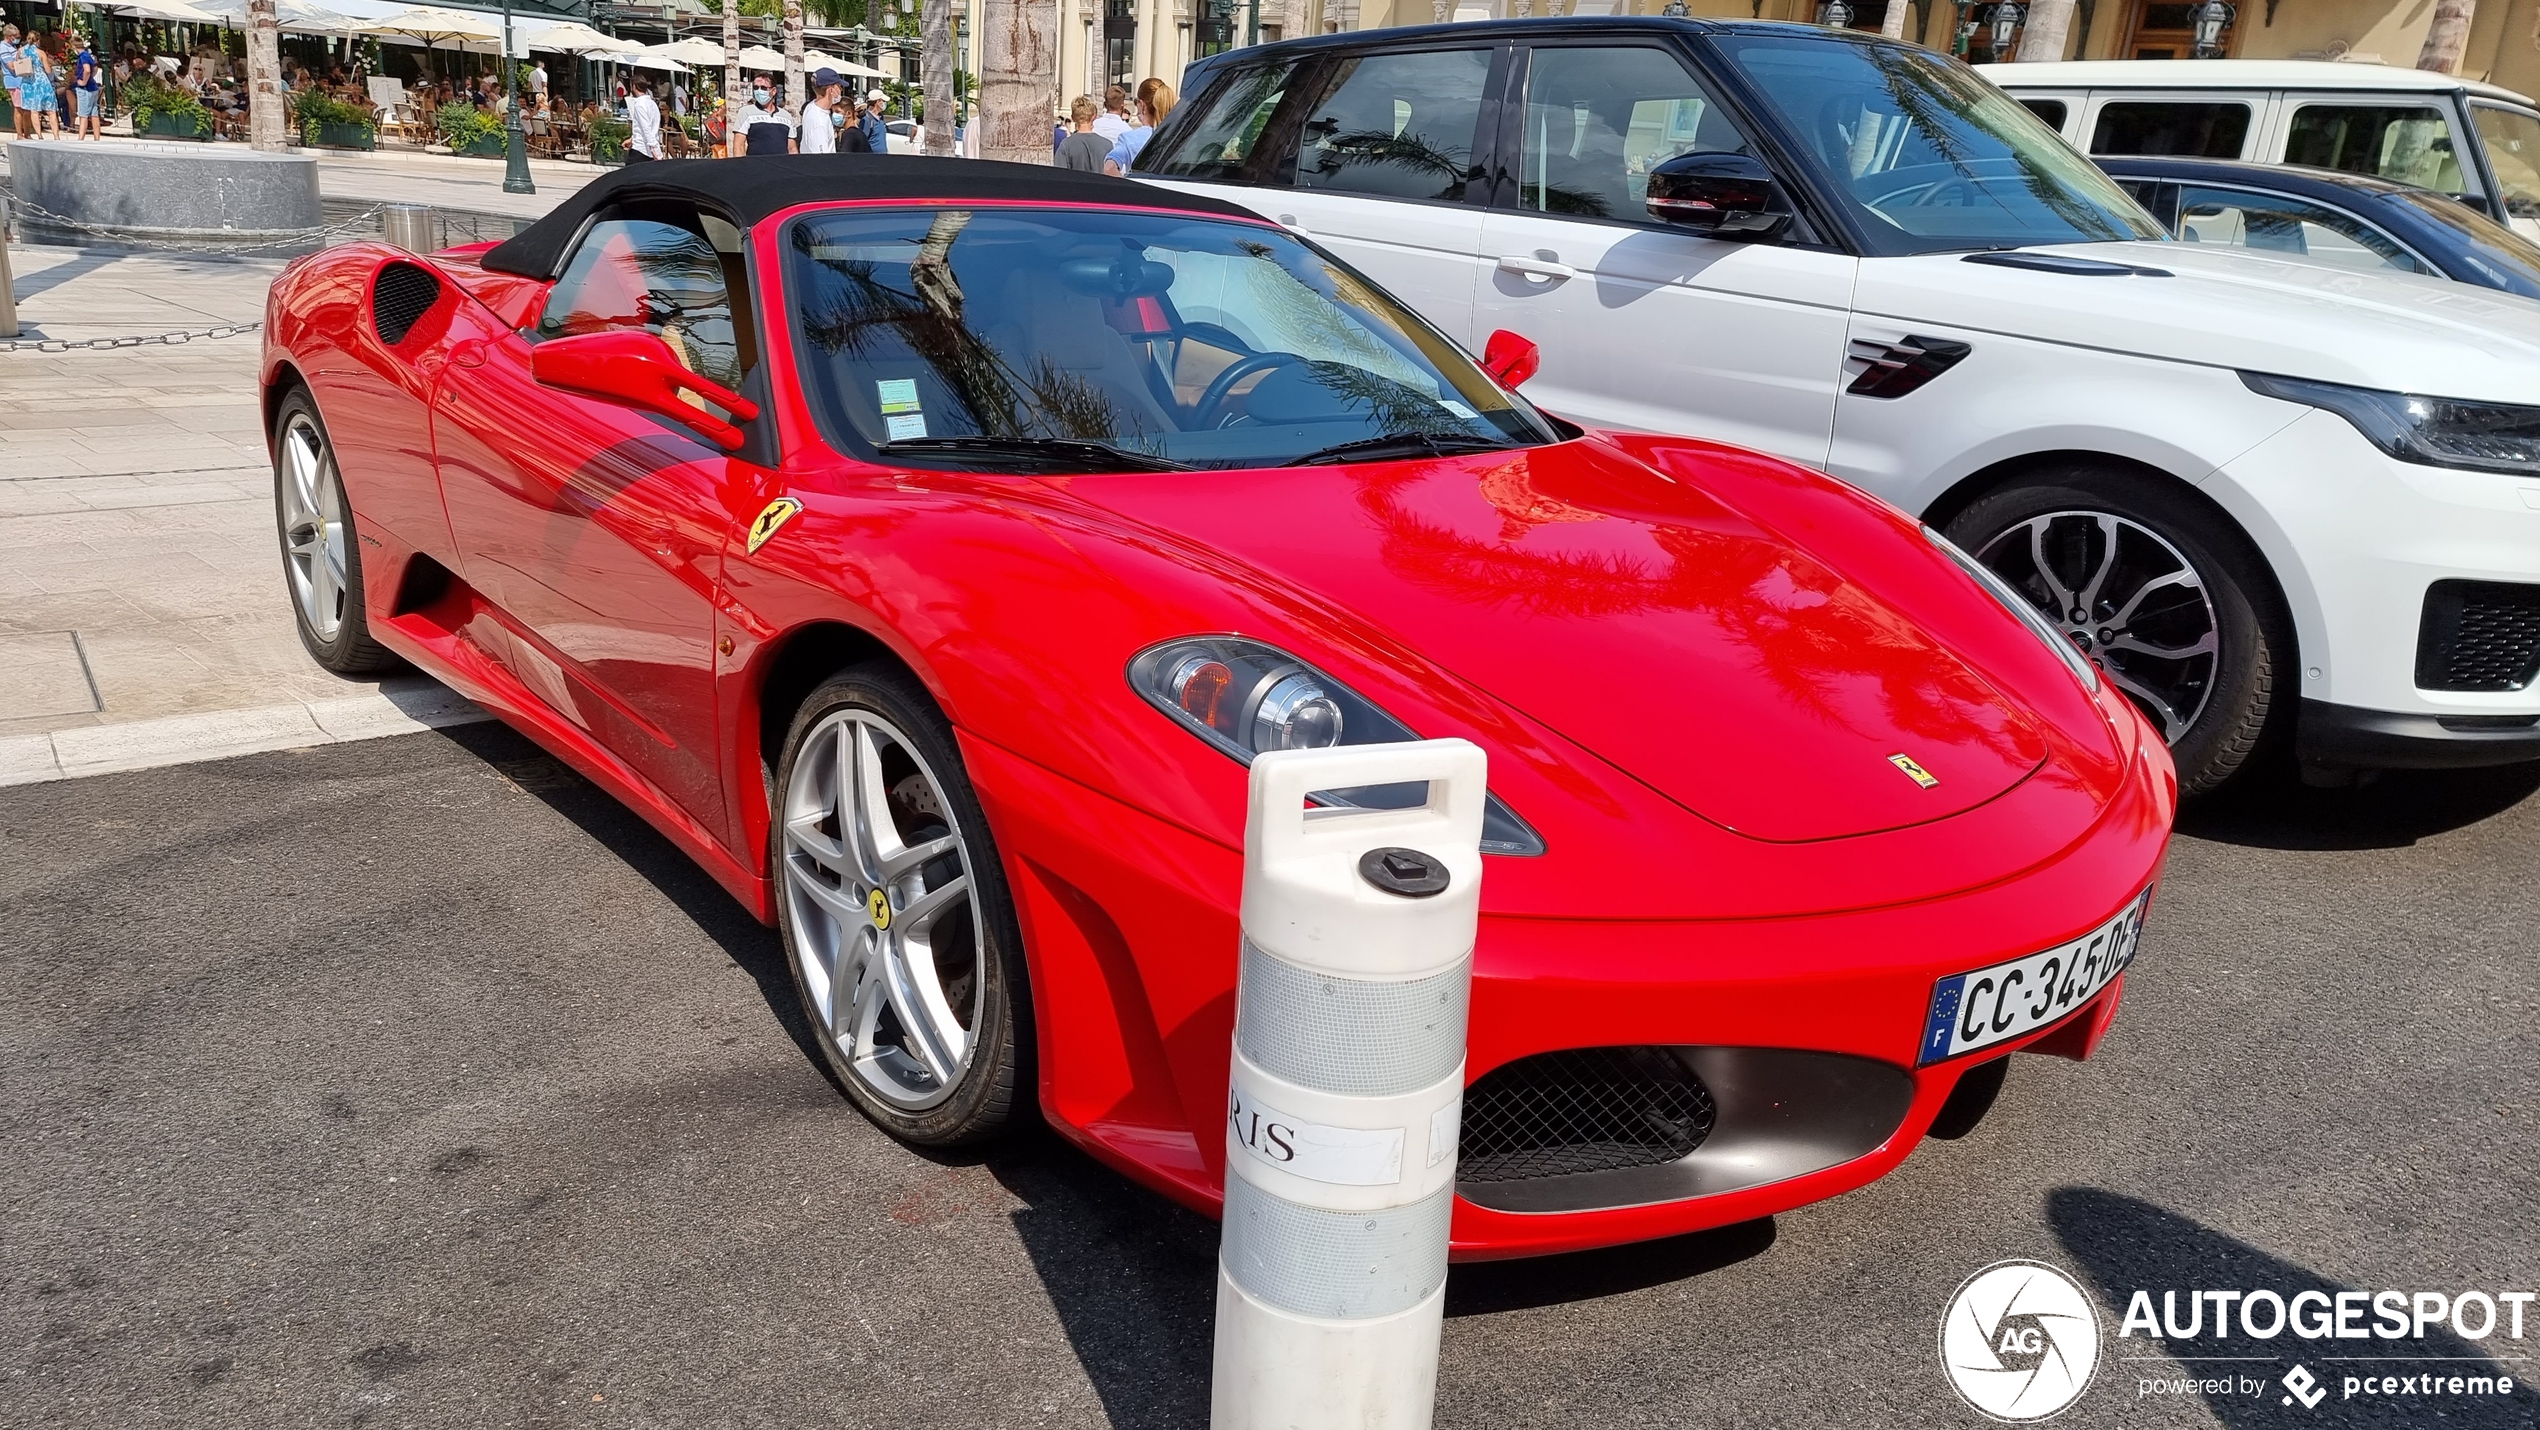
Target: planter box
x=173, y=126
x=492, y=146
x=343, y=136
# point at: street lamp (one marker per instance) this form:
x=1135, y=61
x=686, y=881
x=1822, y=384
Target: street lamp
x=2209, y=21
x=1835, y=15
x=516, y=144
x=2006, y=26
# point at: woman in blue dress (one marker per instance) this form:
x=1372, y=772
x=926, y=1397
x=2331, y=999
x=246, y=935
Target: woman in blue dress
x=36, y=93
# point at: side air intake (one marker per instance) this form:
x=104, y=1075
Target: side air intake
x=399, y=297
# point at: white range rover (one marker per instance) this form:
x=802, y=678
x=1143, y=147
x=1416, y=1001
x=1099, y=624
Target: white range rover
x=2275, y=502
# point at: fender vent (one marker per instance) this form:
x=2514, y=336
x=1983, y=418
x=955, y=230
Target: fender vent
x=1894, y=369
x=1583, y=1110
x=2479, y=635
x=399, y=297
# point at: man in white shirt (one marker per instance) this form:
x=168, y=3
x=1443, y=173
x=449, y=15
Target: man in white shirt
x=825, y=129
x=1114, y=119
x=538, y=85
x=643, y=117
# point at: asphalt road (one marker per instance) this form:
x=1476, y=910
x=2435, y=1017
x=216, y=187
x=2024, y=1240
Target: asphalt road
x=414, y=1083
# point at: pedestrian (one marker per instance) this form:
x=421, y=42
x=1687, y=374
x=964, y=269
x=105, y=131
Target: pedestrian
x=678, y=96
x=13, y=69
x=88, y=79
x=717, y=137
x=643, y=123
x=538, y=83
x=36, y=96
x=1155, y=100
x=825, y=129
x=1085, y=148
x=876, y=126
x=1114, y=119
x=764, y=125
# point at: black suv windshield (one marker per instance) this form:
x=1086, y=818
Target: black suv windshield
x=1926, y=155
x=1107, y=340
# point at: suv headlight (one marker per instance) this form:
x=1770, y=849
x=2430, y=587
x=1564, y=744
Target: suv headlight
x=2018, y=605
x=2432, y=431
x=1247, y=698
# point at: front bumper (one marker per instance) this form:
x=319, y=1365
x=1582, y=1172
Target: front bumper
x=2356, y=538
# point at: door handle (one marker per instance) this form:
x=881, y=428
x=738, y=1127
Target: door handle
x=1540, y=270
x=467, y=352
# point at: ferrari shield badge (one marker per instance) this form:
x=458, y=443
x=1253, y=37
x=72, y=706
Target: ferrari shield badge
x=1913, y=770
x=779, y=512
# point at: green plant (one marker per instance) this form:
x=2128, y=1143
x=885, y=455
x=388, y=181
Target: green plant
x=154, y=99
x=608, y=138
x=464, y=127
x=314, y=111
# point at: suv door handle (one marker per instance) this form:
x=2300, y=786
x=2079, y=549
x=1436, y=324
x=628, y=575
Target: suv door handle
x=1540, y=270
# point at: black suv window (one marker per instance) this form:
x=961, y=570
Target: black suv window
x=1598, y=118
x=1239, y=135
x=1399, y=126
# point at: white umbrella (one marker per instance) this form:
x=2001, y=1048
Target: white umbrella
x=295, y=16
x=576, y=38
x=651, y=58
x=688, y=52
x=175, y=10
x=431, y=26
x=760, y=57
x=814, y=59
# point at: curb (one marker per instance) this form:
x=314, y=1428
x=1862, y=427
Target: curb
x=398, y=707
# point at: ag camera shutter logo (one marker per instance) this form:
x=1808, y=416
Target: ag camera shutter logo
x=2019, y=1341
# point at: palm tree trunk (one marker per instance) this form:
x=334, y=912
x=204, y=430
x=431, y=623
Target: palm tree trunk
x=2448, y=36
x=2042, y=34
x=1892, y=24
x=268, y=118
x=731, y=75
x=1018, y=88
x=935, y=74
x=793, y=25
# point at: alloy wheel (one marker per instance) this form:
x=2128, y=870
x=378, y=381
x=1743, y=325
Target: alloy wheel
x=2128, y=599
x=886, y=917
x=313, y=527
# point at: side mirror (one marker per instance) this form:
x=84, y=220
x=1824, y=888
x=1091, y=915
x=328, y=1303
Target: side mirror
x=1727, y=196
x=1511, y=358
x=634, y=368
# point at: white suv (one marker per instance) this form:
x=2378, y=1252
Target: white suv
x=2272, y=500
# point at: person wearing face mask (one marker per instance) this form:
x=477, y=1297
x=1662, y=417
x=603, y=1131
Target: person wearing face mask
x=825, y=129
x=766, y=126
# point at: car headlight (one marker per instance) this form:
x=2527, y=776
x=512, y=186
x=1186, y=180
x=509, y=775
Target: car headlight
x=1247, y=699
x=2432, y=431
x=2018, y=605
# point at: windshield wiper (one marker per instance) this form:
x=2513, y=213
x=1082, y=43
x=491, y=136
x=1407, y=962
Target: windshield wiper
x=1405, y=444
x=1074, y=454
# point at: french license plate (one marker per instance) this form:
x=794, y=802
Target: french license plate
x=1994, y=1005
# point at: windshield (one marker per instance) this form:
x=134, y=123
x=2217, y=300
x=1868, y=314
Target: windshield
x=2513, y=150
x=2510, y=259
x=1094, y=340
x=1927, y=156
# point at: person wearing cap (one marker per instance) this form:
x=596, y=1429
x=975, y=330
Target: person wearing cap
x=877, y=129
x=825, y=129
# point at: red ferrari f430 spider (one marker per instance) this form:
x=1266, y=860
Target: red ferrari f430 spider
x=926, y=546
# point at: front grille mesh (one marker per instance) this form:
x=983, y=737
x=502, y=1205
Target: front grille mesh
x=1581, y=1110
x=2479, y=635
x=399, y=297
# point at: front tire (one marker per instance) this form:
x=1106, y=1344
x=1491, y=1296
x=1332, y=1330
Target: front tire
x=2169, y=601
x=321, y=546
x=895, y=916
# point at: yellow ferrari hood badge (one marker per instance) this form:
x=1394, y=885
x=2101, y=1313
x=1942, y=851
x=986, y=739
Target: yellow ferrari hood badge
x=1913, y=770
x=777, y=513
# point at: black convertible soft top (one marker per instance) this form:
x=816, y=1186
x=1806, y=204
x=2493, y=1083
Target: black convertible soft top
x=749, y=189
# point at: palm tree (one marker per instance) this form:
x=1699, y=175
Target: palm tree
x=268, y=121
x=792, y=21
x=2043, y=32
x=2448, y=36
x=935, y=73
x=731, y=74
x=1018, y=91
x=1892, y=24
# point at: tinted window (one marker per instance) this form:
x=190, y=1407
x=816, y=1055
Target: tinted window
x=1597, y=119
x=662, y=275
x=2277, y=223
x=1396, y=125
x=1230, y=136
x=2504, y=258
x=2205, y=131
x=2513, y=150
x=2407, y=142
x=1202, y=341
x=1926, y=155
x=2051, y=111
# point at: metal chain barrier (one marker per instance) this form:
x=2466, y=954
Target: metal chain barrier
x=69, y=345
x=366, y=219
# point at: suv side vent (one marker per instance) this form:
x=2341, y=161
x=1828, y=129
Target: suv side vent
x=399, y=297
x=1894, y=369
x=1581, y=1110
x=2479, y=635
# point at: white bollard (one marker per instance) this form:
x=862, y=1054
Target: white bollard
x=1347, y=1089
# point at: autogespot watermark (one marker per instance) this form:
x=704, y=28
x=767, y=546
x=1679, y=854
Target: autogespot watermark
x=2020, y=1341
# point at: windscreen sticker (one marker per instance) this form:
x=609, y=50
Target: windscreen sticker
x=1459, y=409
x=897, y=394
x=906, y=425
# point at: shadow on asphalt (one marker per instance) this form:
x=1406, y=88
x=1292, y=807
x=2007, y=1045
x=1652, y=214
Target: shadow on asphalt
x=2272, y=810
x=2125, y=1244
x=1482, y=1287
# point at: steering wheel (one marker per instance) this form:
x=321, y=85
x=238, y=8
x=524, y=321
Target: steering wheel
x=1206, y=412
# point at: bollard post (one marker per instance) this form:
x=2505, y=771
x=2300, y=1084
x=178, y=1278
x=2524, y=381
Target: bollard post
x=1347, y=1089
x=416, y=228
x=8, y=285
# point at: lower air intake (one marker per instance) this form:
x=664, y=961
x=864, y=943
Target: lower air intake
x=2479, y=635
x=1581, y=1110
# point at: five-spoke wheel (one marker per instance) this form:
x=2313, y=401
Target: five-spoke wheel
x=321, y=548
